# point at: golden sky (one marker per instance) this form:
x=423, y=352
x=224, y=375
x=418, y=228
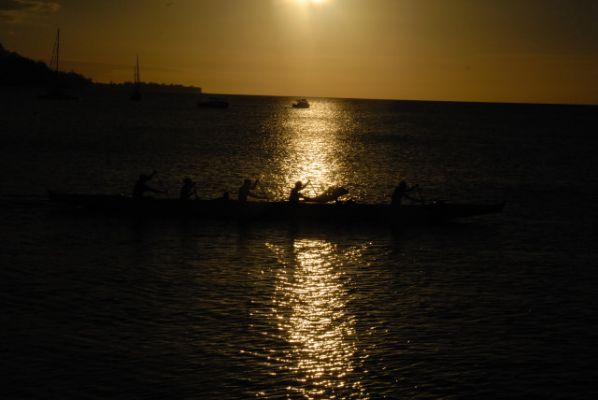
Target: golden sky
x=471, y=50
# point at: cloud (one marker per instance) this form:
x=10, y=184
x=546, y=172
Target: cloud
x=15, y=11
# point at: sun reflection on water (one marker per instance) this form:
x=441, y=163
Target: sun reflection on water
x=310, y=312
x=308, y=148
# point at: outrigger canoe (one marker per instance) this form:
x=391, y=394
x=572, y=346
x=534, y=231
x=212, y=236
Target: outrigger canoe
x=341, y=212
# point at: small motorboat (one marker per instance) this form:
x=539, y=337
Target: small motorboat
x=212, y=102
x=301, y=103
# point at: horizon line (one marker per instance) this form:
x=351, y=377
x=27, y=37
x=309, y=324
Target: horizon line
x=298, y=96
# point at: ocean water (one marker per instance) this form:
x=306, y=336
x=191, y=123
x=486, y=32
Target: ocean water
x=95, y=307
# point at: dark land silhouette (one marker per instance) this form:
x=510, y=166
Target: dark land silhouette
x=18, y=71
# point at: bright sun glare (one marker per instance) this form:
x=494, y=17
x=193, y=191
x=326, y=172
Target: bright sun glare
x=310, y=1
x=307, y=4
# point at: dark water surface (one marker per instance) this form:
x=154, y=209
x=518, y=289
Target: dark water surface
x=101, y=307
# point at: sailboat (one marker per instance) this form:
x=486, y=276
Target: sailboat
x=57, y=91
x=136, y=96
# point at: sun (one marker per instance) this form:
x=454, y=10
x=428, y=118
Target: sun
x=306, y=6
x=311, y=2
x=307, y=3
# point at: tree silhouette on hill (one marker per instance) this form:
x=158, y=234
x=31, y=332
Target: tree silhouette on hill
x=16, y=70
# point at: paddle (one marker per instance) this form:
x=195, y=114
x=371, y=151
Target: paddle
x=262, y=190
x=313, y=189
x=419, y=194
x=159, y=182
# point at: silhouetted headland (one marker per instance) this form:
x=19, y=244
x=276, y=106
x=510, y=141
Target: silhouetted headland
x=18, y=71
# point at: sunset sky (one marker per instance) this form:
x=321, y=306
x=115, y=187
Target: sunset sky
x=472, y=50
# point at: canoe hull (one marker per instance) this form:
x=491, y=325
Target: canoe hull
x=348, y=212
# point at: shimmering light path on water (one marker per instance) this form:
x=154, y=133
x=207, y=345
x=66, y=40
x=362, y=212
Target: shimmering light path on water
x=309, y=309
x=308, y=147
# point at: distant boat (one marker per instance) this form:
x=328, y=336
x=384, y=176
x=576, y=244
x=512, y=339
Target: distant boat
x=212, y=102
x=57, y=92
x=301, y=103
x=136, y=95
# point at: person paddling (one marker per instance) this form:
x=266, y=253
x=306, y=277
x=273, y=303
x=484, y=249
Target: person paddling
x=188, y=189
x=246, y=191
x=401, y=192
x=141, y=186
x=296, y=192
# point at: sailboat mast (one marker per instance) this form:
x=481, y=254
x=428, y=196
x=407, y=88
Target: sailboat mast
x=57, y=48
x=136, y=95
